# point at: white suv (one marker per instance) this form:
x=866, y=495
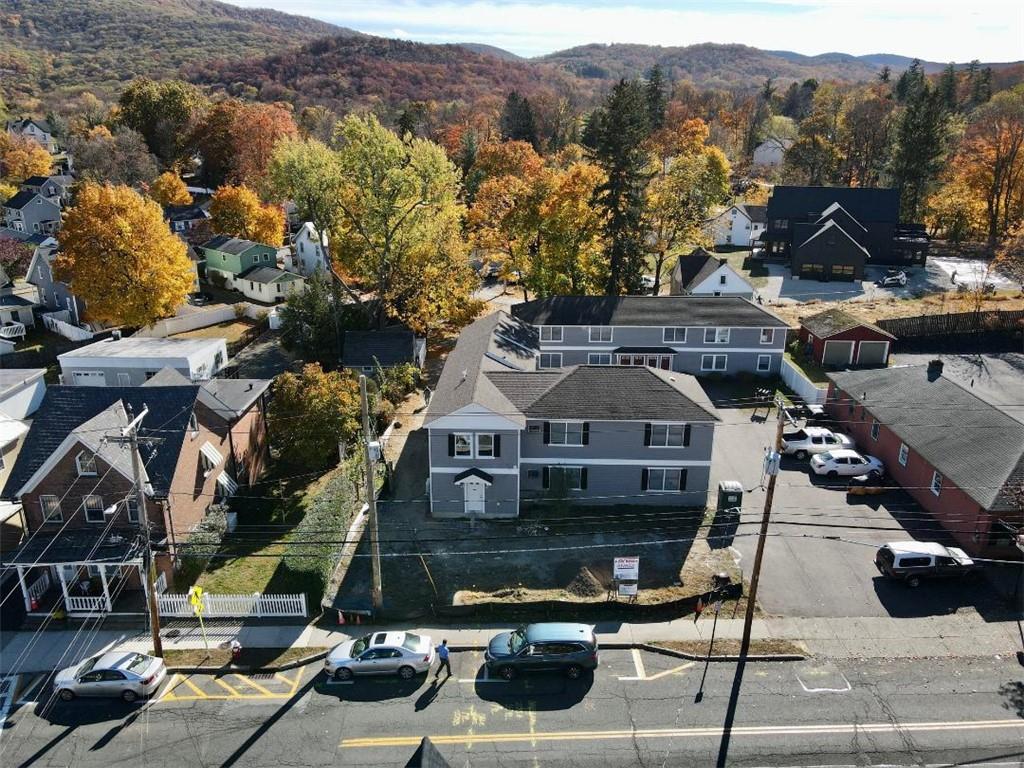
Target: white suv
x=811, y=440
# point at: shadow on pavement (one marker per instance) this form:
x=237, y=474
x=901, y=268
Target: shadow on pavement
x=267, y=724
x=536, y=693
x=368, y=688
x=39, y=753
x=1013, y=693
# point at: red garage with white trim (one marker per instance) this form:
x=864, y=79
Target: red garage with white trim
x=836, y=339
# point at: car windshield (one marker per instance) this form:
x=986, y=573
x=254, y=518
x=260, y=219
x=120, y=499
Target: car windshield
x=140, y=663
x=87, y=665
x=360, y=645
x=517, y=641
x=827, y=456
x=412, y=642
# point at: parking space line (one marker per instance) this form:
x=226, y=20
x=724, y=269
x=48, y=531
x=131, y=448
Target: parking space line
x=257, y=686
x=638, y=664
x=826, y=690
x=195, y=688
x=673, y=671
x=226, y=687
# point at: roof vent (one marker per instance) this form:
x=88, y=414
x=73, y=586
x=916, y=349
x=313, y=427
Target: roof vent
x=115, y=335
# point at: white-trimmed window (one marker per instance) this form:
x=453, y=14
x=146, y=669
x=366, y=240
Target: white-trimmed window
x=767, y=335
x=599, y=358
x=716, y=335
x=564, y=478
x=904, y=454
x=85, y=462
x=764, y=363
x=50, y=506
x=713, y=362
x=550, y=360
x=600, y=333
x=131, y=505
x=936, y=483
x=565, y=433
x=874, y=429
x=674, y=335
x=464, y=445
x=667, y=435
x=664, y=480
x=193, y=424
x=484, y=445
x=93, y=506
x=551, y=333
x=650, y=361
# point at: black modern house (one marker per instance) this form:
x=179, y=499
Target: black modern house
x=832, y=233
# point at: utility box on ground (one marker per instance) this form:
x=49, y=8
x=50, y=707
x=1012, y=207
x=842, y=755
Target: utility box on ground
x=730, y=495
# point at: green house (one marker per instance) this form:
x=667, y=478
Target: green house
x=232, y=256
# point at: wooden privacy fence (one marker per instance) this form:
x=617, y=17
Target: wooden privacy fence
x=256, y=605
x=955, y=323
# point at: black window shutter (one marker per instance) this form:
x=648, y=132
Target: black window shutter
x=686, y=435
x=497, y=446
x=647, y=434
x=643, y=479
x=586, y=433
x=583, y=478
x=451, y=444
x=545, y=477
x=547, y=434
x=682, y=480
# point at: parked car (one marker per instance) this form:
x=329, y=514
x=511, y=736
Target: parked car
x=199, y=299
x=844, y=462
x=911, y=561
x=817, y=416
x=892, y=278
x=570, y=648
x=381, y=653
x=869, y=484
x=126, y=674
x=647, y=281
x=811, y=440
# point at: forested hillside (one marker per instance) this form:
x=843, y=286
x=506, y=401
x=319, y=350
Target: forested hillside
x=52, y=46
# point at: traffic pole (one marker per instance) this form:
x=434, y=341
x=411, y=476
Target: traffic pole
x=772, y=468
x=376, y=590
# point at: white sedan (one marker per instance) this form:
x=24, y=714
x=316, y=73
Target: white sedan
x=126, y=674
x=381, y=653
x=844, y=462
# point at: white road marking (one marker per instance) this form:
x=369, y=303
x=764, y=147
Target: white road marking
x=638, y=663
x=825, y=690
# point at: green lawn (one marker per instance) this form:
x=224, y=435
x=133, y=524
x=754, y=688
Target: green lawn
x=810, y=369
x=754, y=271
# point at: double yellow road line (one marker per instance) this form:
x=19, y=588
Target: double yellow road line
x=673, y=733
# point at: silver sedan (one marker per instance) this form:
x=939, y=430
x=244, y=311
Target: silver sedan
x=126, y=674
x=381, y=653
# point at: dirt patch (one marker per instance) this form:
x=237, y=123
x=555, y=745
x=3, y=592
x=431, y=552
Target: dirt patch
x=885, y=309
x=252, y=658
x=586, y=584
x=768, y=647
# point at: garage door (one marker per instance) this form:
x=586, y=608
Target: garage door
x=89, y=379
x=837, y=353
x=872, y=352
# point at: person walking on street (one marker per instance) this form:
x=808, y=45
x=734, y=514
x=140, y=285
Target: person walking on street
x=443, y=662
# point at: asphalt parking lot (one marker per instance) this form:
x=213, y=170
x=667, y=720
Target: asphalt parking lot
x=819, y=557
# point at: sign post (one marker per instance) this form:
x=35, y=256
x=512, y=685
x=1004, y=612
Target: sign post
x=195, y=597
x=626, y=574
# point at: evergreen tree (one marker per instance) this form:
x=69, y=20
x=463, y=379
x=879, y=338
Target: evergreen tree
x=517, y=123
x=947, y=88
x=910, y=83
x=920, y=146
x=885, y=74
x=656, y=89
x=617, y=133
x=981, y=87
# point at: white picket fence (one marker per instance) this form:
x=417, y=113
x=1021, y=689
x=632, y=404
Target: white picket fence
x=235, y=606
x=86, y=604
x=794, y=378
x=57, y=322
x=39, y=586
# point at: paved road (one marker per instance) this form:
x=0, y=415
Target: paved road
x=637, y=710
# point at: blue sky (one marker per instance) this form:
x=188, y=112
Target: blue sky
x=938, y=30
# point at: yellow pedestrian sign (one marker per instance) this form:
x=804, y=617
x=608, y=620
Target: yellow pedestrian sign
x=195, y=597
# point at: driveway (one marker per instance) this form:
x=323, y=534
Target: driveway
x=818, y=559
x=782, y=287
x=996, y=377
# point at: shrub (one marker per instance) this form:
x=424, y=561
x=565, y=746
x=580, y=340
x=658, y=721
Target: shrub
x=202, y=545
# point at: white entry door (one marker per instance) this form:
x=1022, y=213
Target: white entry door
x=474, y=495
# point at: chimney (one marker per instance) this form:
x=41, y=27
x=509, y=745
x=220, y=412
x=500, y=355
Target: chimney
x=934, y=369
x=723, y=262
x=249, y=388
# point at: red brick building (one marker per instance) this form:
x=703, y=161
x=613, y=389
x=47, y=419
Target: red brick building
x=960, y=457
x=837, y=339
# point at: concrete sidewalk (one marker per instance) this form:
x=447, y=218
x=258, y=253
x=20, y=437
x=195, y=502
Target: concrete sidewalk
x=965, y=635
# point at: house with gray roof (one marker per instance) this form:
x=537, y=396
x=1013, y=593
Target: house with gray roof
x=364, y=351
x=55, y=188
x=36, y=129
x=700, y=273
x=738, y=226
x=250, y=268
x=30, y=212
x=959, y=456
x=699, y=335
x=502, y=430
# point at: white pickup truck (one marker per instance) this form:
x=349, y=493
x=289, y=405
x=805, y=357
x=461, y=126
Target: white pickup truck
x=810, y=440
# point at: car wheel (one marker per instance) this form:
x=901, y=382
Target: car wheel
x=129, y=696
x=832, y=474
x=406, y=673
x=913, y=581
x=343, y=673
x=573, y=671
x=507, y=673
x=801, y=455
x=66, y=695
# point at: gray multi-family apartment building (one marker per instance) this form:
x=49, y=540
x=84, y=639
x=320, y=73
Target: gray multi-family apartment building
x=502, y=430
x=700, y=335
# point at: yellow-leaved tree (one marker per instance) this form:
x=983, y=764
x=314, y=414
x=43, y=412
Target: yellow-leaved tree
x=119, y=255
x=21, y=158
x=169, y=189
x=237, y=211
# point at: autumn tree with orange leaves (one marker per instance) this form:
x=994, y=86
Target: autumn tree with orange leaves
x=237, y=211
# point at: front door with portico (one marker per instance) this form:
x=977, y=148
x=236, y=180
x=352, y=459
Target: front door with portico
x=474, y=495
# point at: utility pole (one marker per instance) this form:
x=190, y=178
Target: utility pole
x=772, y=467
x=377, y=592
x=130, y=437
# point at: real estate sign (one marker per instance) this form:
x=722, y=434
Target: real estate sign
x=626, y=569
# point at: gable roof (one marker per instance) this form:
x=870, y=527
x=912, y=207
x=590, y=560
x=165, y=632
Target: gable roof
x=20, y=125
x=757, y=214
x=190, y=212
x=65, y=410
x=973, y=443
x=228, y=398
x=266, y=275
x=708, y=311
x=233, y=245
x=836, y=208
x=830, y=226
x=832, y=321
x=22, y=198
x=603, y=392
x=693, y=267
x=35, y=181
x=387, y=347
x=866, y=204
